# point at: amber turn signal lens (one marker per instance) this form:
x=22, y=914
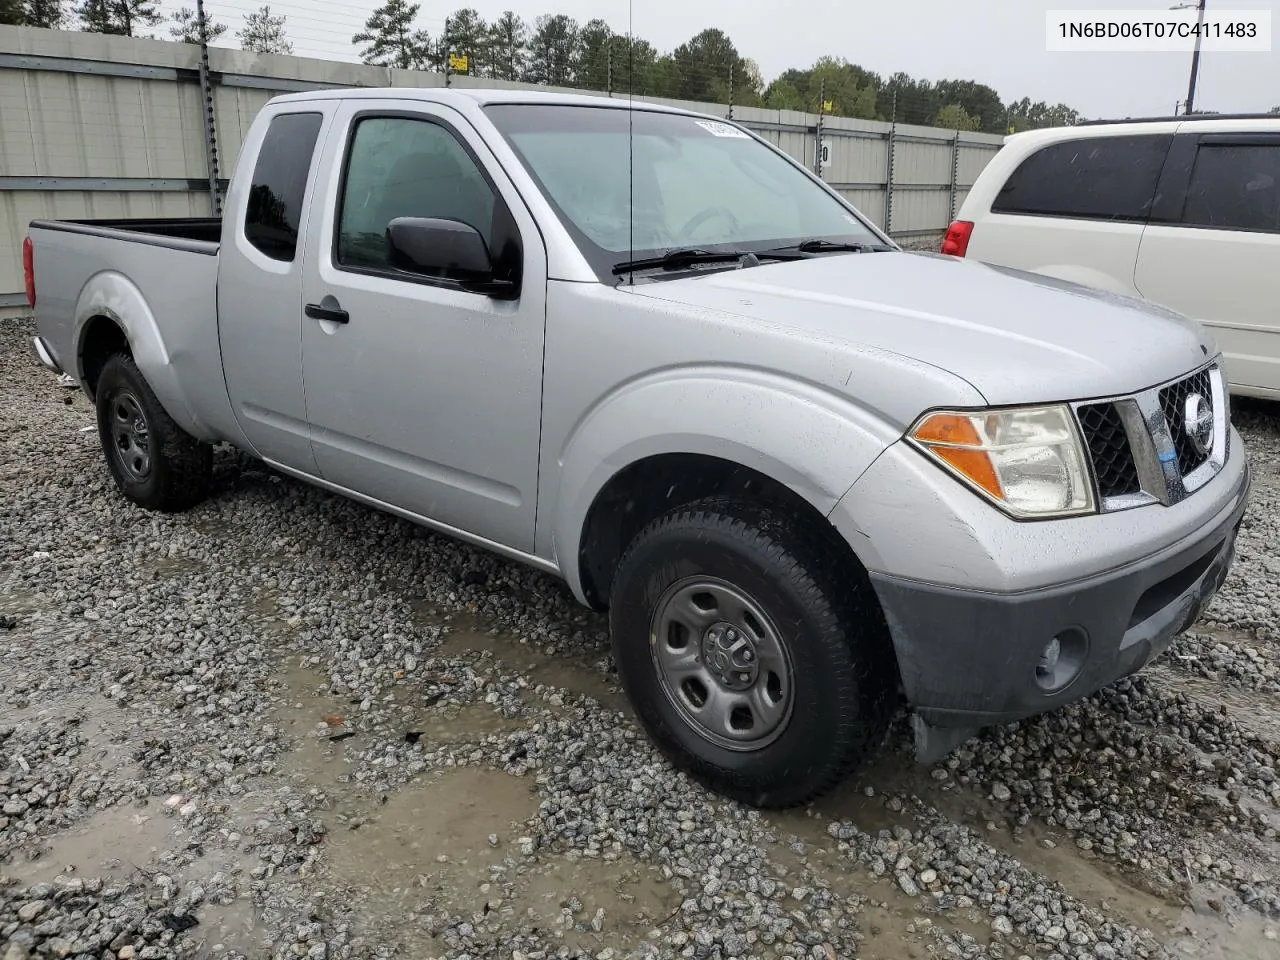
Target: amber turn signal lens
x=955, y=439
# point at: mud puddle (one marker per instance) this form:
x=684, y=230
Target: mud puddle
x=113, y=844
x=1255, y=714
x=432, y=838
x=1205, y=931
x=451, y=843
x=535, y=666
x=894, y=775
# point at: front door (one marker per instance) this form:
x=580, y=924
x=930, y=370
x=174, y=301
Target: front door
x=421, y=394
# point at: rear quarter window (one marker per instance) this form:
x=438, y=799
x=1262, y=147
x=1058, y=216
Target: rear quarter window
x=279, y=184
x=1094, y=178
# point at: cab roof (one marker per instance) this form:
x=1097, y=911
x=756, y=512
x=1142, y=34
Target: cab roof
x=466, y=96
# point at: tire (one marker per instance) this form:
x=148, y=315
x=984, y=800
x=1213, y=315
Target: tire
x=154, y=462
x=794, y=601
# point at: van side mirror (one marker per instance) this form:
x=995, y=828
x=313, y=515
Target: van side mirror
x=448, y=249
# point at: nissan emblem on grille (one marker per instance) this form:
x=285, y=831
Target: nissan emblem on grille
x=1198, y=423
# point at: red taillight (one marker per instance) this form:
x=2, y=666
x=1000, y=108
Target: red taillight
x=956, y=242
x=29, y=271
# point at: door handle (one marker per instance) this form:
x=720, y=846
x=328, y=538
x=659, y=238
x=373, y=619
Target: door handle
x=333, y=315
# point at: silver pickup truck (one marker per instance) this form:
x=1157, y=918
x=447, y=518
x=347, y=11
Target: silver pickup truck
x=809, y=475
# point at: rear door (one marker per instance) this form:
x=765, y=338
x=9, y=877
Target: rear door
x=260, y=281
x=1212, y=250
x=1075, y=210
x=428, y=397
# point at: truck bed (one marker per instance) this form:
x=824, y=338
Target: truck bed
x=194, y=234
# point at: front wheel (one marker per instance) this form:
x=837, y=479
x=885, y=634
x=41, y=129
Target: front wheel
x=754, y=652
x=154, y=462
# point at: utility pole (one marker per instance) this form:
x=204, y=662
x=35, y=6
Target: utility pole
x=608, y=51
x=731, y=66
x=1195, y=57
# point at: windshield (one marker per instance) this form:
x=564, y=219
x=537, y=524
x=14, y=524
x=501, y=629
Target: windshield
x=698, y=184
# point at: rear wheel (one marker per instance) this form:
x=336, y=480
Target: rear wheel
x=154, y=462
x=753, y=651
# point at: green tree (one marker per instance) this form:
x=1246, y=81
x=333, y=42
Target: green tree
x=13, y=13
x=508, y=42
x=908, y=100
x=955, y=117
x=704, y=67
x=124, y=18
x=263, y=32
x=553, y=51
x=48, y=14
x=1025, y=115
x=592, y=69
x=466, y=33
x=1275, y=109
x=851, y=90
x=978, y=100
x=635, y=65
x=186, y=27
x=390, y=38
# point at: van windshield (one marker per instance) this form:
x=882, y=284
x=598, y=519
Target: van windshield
x=699, y=184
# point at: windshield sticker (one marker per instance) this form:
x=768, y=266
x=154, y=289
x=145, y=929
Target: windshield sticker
x=722, y=130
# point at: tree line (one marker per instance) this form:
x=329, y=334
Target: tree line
x=557, y=50
x=263, y=31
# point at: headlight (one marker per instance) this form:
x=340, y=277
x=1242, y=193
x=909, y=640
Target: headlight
x=1030, y=461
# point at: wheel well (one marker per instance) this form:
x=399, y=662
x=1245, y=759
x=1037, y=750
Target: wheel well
x=103, y=338
x=648, y=488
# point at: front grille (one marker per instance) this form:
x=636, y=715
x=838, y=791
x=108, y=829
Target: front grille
x=1113, y=463
x=1173, y=401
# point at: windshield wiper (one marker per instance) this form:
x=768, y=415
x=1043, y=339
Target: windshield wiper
x=675, y=259
x=684, y=257
x=833, y=246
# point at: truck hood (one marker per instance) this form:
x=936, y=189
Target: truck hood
x=1016, y=337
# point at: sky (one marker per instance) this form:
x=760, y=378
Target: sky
x=997, y=42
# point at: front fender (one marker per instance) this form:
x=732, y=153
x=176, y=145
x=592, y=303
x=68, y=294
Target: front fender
x=111, y=294
x=814, y=441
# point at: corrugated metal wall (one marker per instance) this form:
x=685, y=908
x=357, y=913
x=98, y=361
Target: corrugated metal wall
x=97, y=126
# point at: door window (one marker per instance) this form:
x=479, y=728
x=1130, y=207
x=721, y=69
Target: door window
x=403, y=167
x=1235, y=187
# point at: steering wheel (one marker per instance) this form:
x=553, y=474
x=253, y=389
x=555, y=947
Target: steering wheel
x=698, y=219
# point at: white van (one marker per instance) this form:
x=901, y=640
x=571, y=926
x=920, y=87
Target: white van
x=1184, y=212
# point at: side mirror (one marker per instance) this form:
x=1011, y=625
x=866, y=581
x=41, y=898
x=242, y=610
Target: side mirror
x=445, y=248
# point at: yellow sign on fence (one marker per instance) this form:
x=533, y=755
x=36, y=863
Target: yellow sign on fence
x=828, y=106
x=458, y=62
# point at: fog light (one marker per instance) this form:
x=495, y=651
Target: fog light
x=1049, y=659
x=1061, y=660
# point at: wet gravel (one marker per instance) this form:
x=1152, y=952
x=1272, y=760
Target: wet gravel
x=180, y=676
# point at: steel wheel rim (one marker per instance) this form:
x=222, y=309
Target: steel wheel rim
x=722, y=663
x=130, y=435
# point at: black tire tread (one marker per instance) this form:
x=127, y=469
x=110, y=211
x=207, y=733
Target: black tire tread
x=842, y=603
x=184, y=466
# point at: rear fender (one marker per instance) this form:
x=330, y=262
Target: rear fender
x=112, y=295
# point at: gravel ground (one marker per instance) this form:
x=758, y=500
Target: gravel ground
x=284, y=725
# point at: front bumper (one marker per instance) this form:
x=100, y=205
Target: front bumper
x=971, y=658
